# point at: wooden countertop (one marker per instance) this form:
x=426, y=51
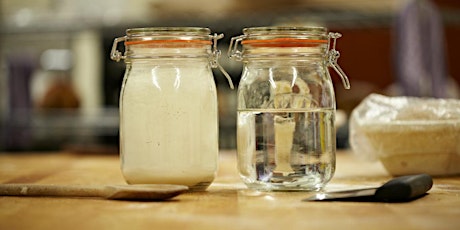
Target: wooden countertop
x=227, y=204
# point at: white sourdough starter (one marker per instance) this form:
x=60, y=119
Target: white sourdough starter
x=169, y=124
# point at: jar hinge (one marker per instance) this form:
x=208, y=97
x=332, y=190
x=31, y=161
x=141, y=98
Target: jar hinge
x=115, y=54
x=233, y=51
x=215, y=58
x=333, y=55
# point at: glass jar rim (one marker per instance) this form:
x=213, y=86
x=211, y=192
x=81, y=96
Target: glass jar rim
x=285, y=36
x=285, y=30
x=169, y=35
x=149, y=31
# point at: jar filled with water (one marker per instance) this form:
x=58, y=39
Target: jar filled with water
x=286, y=107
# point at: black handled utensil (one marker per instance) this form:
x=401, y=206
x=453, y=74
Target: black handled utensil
x=399, y=189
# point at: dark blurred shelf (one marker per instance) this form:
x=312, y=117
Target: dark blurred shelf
x=53, y=129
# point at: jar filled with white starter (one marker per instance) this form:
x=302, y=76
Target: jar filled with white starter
x=168, y=106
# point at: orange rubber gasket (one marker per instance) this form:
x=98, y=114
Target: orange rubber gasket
x=285, y=42
x=202, y=42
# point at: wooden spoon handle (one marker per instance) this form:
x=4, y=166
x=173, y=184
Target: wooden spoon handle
x=51, y=190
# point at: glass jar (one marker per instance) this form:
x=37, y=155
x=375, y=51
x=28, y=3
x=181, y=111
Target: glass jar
x=168, y=106
x=286, y=107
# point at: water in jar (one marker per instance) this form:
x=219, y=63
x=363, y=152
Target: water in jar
x=286, y=149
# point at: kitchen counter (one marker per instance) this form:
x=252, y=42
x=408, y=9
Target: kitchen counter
x=227, y=204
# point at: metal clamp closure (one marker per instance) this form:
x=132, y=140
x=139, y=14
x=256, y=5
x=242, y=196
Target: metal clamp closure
x=115, y=54
x=215, y=52
x=215, y=59
x=233, y=51
x=332, y=57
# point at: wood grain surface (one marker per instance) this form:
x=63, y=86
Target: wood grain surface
x=227, y=204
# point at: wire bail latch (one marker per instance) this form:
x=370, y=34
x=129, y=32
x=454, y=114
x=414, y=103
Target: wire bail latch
x=115, y=54
x=216, y=53
x=332, y=57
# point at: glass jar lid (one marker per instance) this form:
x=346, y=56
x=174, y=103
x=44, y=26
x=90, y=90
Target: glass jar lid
x=155, y=42
x=170, y=43
x=275, y=42
x=285, y=36
x=171, y=36
x=288, y=42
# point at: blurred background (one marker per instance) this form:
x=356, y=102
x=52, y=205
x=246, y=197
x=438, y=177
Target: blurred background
x=59, y=89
